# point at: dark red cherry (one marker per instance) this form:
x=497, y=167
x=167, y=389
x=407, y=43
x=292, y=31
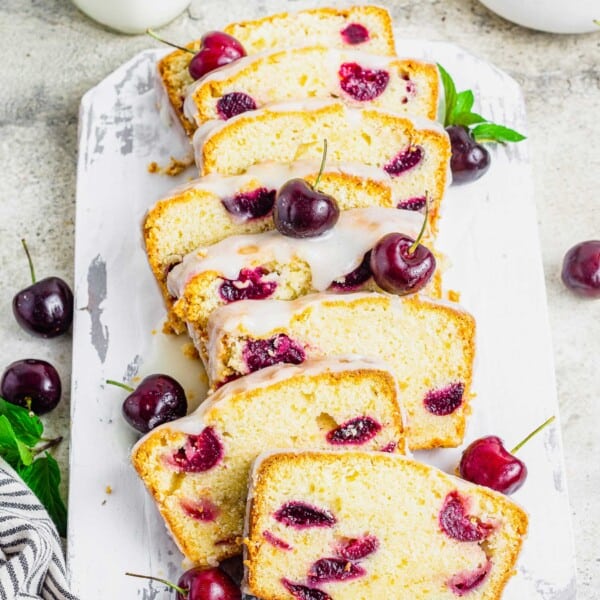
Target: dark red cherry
x=301, y=211
x=400, y=268
x=157, y=399
x=208, y=584
x=45, y=308
x=581, y=269
x=470, y=160
x=216, y=49
x=33, y=384
x=200, y=583
x=487, y=462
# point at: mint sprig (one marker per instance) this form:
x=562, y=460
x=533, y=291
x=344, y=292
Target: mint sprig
x=459, y=111
x=20, y=436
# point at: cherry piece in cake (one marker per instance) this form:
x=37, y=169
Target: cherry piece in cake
x=457, y=524
x=355, y=432
x=444, y=401
x=233, y=104
x=354, y=34
x=248, y=286
x=259, y=354
x=200, y=452
x=250, y=205
x=362, y=84
x=302, y=516
x=403, y=161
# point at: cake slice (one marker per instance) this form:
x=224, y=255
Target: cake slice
x=197, y=468
x=365, y=525
x=368, y=28
x=271, y=265
x=208, y=210
x=428, y=344
x=404, y=86
x=414, y=152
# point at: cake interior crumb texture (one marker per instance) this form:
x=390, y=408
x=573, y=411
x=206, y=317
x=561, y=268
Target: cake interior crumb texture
x=390, y=528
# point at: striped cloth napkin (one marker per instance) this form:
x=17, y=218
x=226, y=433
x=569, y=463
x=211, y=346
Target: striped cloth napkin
x=31, y=559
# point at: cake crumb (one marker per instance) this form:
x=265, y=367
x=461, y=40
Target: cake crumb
x=453, y=296
x=154, y=332
x=189, y=351
x=108, y=489
x=177, y=166
x=174, y=168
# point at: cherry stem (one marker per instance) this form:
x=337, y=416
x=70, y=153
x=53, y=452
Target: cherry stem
x=29, y=260
x=414, y=245
x=152, y=34
x=49, y=444
x=323, y=159
x=120, y=384
x=534, y=432
x=181, y=590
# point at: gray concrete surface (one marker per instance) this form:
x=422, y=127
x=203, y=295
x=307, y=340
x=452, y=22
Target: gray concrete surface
x=51, y=54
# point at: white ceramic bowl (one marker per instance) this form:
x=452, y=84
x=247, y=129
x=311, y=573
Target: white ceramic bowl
x=132, y=16
x=555, y=16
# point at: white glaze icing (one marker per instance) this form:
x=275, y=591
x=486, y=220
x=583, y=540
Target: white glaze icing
x=259, y=317
x=273, y=175
x=329, y=256
x=194, y=423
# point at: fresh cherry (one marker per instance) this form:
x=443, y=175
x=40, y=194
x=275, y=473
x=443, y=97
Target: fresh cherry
x=33, y=384
x=157, y=399
x=401, y=265
x=581, y=269
x=216, y=50
x=45, y=308
x=487, y=462
x=301, y=211
x=469, y=160
x=199, y=583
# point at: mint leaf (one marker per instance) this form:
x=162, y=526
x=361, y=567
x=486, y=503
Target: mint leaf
x=468, y=118
x=449, y=94
x=13, y=450
x=27, y=427
x=43, y=477
x=464, y=103
x=490, y=132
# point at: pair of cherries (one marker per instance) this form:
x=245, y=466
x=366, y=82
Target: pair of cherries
x=399, y=264
x=44, y=309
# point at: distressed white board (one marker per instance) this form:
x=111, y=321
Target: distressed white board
x=489, y=232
